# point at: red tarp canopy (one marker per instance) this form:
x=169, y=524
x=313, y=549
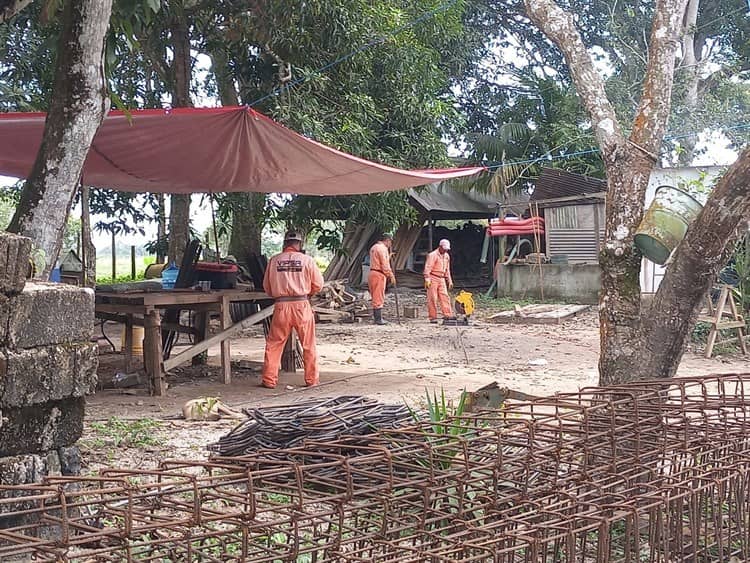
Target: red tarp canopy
x=188, y=150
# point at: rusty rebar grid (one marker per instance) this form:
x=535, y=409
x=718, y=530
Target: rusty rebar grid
x=655, y=471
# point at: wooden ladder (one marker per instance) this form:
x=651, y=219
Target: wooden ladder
x=722, y=319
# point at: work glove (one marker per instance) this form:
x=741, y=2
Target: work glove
x=450, y=285
x=427, y=284
x=393, y=280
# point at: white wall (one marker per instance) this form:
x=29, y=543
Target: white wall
x=652, y=274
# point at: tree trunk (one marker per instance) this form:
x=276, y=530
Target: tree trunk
x=248, y=219
x=179, y=210
x=692, y=47
x=628, y=162
x=88, y=250
x=161, y=227
x=179, y=227
x=248, y=209
x=79, y=104
x=695, y=264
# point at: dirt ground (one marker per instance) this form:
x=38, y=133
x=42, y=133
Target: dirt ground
x=394, y=363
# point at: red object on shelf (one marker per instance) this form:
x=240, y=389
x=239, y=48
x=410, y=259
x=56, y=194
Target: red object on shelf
x=504, y=227
x=216, y=267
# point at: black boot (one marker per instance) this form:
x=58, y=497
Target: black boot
x=377, y=315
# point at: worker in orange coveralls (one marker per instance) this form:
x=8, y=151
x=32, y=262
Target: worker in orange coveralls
x=380, y=273
x=291, y=278
x=437, y=281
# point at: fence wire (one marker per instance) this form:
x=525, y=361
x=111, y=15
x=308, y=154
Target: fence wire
x=654, y=471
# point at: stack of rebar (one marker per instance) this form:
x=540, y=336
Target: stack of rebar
x=288, y=426
x=656, y=471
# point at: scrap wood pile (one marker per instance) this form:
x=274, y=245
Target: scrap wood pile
x=335, y=303
x=288, y=426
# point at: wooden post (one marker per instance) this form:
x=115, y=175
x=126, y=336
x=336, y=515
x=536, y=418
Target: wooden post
x=88, y=252
x=152, y=352
x=201, y=325
x=127, y=347
x=429, y=234
x=132, y=262
x=226, y=351
x=289, y=356
x=114, y=257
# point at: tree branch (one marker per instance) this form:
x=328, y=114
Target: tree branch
x=9, y=8
x=653, y=111
x=560, y=27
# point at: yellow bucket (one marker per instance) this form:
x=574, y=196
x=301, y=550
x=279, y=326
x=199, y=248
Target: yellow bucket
x=137, y=340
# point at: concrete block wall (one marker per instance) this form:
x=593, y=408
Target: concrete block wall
x=571, y=283
x=47, y=367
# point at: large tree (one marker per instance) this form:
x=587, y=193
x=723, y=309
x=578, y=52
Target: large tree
x=79, y=104
x=390, y=102
x=637, y=344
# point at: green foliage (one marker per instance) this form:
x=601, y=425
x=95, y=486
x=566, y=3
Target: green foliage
x=127, y=433
x=444, y=415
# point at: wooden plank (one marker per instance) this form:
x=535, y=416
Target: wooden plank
x=226, y=351
x=236, y=328
x=740, y=329
x=536, y=314
x=177, y=297
x=713, y=333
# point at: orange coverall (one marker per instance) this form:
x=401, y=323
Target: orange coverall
x=437, y=270
x=380, y=273
x=291, y=278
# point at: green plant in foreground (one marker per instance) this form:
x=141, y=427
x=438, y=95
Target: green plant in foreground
x=443, y=415
x=127, y=433
x=446, y=425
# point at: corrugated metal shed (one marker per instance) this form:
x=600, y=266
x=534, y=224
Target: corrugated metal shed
x=555, y=183
x=439, y=201
x=575, y=231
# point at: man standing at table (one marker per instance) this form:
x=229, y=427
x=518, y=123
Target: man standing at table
x=380, y=273
x=291, y=278
x=437, y=281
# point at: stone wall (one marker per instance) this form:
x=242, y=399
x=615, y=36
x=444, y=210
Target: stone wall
x=47, y=366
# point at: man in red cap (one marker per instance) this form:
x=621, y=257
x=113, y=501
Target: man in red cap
x=437, y=281
x=380, y=274
x=291, y=278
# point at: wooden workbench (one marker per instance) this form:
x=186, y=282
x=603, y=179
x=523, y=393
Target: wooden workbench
x=145, y=308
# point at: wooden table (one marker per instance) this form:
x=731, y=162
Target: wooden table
x=145, y=308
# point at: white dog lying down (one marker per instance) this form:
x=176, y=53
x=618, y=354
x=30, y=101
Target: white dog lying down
x=208, y=408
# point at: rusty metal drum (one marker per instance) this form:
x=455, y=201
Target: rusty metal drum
x=665, y=223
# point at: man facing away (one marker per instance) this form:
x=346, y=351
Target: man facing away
x=291, y=278
x=380, y=273
x=437, y=281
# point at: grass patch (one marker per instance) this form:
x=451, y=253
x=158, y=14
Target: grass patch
x=126, y=433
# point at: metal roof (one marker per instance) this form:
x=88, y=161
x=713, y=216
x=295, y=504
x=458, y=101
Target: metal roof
x=554, y=183
x=442, y=202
